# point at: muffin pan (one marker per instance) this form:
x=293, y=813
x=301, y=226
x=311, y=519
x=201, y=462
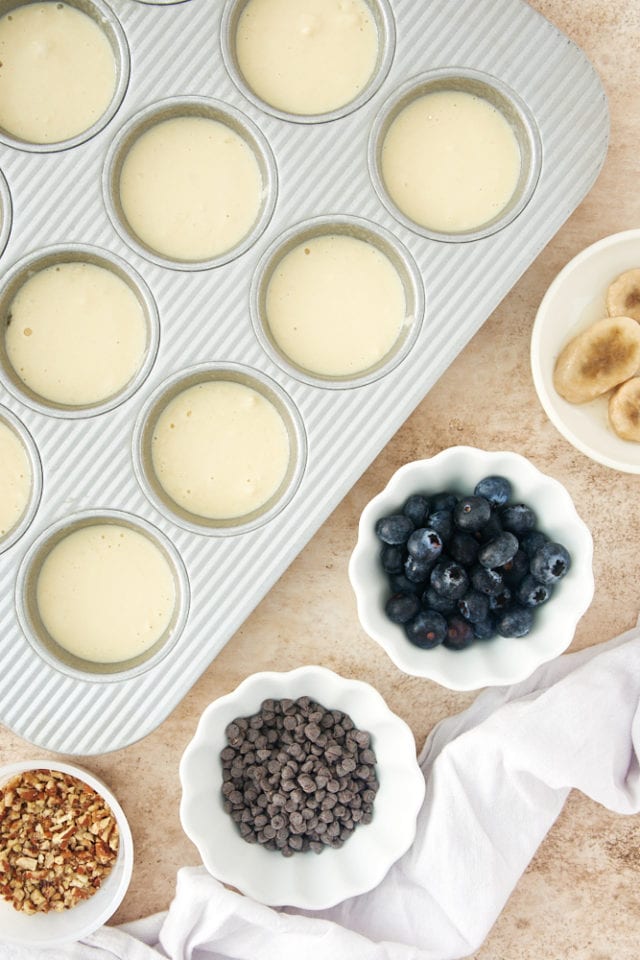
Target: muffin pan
x=316, y=169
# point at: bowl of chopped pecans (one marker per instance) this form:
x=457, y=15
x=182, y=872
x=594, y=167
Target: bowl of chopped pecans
x=66, y=853
x=301, y=788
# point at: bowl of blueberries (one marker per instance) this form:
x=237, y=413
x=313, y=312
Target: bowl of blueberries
x=472, y=568
x=301, y=788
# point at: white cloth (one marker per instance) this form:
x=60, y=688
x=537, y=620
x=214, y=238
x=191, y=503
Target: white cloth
x=497, y=777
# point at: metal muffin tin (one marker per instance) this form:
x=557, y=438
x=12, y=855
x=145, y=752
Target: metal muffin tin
x=91, y=464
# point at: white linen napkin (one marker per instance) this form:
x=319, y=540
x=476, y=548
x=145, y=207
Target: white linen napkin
x=497, y=777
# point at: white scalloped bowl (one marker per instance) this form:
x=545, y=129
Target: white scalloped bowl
x=502, y=660
x=307, y=880
x=574, y=301
x=53, y=929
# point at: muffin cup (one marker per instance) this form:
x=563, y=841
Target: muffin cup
x=108, y=22
x=205, y=373
x=171, y=109
x=385, y=25
x=22, y=271
x=500, y=96
x=36, y=632
x=360, y=229
x=6, y=213
x=35, y=464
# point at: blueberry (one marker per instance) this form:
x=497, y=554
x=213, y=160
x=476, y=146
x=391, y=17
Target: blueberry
x=471, y=513
x=416, y=507
x=417, y=570
x=463, y=548
x=395, y=529
x=518, y=518
x=496, y=490
x=400, y=584
x=516, y=569
x=432, y=600
x=459, y=634
x=427, y=629
x=402, y=607
x=392, y=558
x=442, y=522
x=550, y=563
x=532, y=541
x=492, y=528
x=500, y=601
x=484, y=629
x=489, y=582
x=474, y=606
x=443, y=501
x=515, y=621
x=531, y=593
x=424, y=544
x=499, y=551
x=449, y=579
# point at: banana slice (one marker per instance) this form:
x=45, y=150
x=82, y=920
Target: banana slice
x=624, y=410
x=623, y=296
x=598, y=359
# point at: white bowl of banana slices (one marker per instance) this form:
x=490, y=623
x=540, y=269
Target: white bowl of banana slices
x=585, y=352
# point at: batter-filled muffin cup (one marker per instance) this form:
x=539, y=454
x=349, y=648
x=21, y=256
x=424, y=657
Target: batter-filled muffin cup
x=20, y=479
x=220, y=448
x=308, y=61
x=80, y=330
x=65, y=70
x=455, y=154
x=337, y=301
x=190, y=183
x=6, y=212
x=102, y=595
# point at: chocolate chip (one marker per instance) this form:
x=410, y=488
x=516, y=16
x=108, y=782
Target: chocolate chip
x=297, y=777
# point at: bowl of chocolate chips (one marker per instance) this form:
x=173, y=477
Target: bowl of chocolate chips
x=301, y=788
x=472, y=568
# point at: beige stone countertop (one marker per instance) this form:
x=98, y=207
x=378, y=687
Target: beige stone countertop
x=578, y=899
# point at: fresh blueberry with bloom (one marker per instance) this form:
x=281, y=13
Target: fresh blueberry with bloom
x=515, y=621
x=416, y=507
x=497, y=490
x=427, y=630
x=402, y=607
x=395, y=529
x=531, y=593
x=472, y=513
x=550, y=563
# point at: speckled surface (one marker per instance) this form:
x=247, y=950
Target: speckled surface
x=578, y=898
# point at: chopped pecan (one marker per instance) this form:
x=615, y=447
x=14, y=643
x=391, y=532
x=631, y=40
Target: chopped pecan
x=58, y=841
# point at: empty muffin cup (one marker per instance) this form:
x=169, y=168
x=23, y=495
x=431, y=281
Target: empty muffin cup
x=102, y=595
x=65, y=70
x=337, y=301
x=190, y=183
x=20, y=479
x=80, y=331
x=220, y=448
x=455, y=155
x=309, y=61
x=6, y=212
